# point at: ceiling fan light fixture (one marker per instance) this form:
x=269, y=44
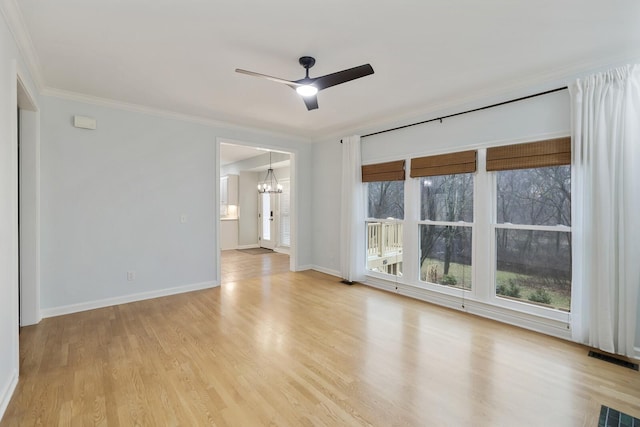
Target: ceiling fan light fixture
x=308, y=87
x=307, y=90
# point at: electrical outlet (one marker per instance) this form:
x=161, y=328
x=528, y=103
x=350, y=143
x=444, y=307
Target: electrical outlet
x=131, y=276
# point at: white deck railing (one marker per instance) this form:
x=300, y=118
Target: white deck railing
x=384, y=239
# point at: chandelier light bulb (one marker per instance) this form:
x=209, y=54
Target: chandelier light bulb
x=270, y=182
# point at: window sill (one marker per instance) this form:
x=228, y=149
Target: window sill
x=554, y=323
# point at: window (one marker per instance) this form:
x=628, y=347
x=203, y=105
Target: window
x=446, y=217
x=385, y=199
x=533, y=222
x=446, y=220
x=489, y=226
x=385, y=212
x=533, y=236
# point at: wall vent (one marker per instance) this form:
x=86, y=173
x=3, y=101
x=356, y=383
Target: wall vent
x=610, y=417
x=614, y=360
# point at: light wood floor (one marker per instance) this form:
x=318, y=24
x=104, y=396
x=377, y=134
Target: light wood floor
x=301, y=349
x=237, y=265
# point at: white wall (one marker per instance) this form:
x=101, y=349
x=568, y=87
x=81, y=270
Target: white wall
x=112, y=201
x=248, y=199
x=326, y=178
x=259, y=161
x=535, y=118
x=10, y=64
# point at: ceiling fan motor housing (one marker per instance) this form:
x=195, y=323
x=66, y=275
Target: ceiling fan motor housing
x=307, y=61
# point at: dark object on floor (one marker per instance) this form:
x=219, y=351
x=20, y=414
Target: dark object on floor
x=612, y=418
x=256, y=251
x=347, y=282
x=614, y=360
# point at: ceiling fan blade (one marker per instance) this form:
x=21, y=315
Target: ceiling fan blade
x=343, y=76
x=311, y=102
x=273, y=79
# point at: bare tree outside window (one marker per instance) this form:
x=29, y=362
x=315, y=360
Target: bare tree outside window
x=446, y=214
x=385, y=199
x=533, y=241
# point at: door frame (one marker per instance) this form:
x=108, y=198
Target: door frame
x=28, y=174
x=293, y=208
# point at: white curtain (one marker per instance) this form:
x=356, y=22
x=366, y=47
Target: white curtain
x=352, y=212
x=606, y=223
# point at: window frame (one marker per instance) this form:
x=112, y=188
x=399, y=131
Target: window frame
x=481, y=298
x=368, y=219
x=522, y=306
x=451, y=290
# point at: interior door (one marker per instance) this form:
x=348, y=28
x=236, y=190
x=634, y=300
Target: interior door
x=267, y=218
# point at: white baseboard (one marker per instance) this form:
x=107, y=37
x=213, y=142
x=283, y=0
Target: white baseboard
x=282, y=250
x=7, y=392
x=28, y=321
x=304, y=267
x=254, y=245
x=124, y=299
x=328, y=271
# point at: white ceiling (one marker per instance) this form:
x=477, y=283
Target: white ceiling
x=231, y=153
x=180, y=56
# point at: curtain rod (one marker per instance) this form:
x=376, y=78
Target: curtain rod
x=465, y=112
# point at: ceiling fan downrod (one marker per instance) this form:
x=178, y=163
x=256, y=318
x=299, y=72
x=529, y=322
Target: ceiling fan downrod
x=307, y=62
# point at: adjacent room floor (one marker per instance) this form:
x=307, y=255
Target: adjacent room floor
x=239, y=265
x=293, y=349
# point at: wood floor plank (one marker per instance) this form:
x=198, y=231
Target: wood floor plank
x=302, y=349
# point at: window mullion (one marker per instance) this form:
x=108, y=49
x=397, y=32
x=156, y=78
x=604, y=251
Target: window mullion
x=411, y=240
x=452, y=223
x=509, y=226
x=482, y=254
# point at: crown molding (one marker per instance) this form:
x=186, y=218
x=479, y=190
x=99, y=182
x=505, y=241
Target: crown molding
x=18, y=28
x=262, y=128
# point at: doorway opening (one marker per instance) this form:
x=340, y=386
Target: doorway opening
x=253, y=223
x=268, y=220
x=275, y=219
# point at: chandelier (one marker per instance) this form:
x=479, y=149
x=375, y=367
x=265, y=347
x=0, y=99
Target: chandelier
x=270, y=183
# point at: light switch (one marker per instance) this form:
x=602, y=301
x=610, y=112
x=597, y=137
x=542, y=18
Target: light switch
x=183, y=219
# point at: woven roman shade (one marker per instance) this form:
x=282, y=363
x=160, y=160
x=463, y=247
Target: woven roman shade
x=444, y=164
x=551, y=152
x=390, y=171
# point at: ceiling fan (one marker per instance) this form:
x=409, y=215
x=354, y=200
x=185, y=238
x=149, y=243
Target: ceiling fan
x=309, y=87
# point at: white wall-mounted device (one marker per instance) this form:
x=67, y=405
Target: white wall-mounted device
x=84, y=122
